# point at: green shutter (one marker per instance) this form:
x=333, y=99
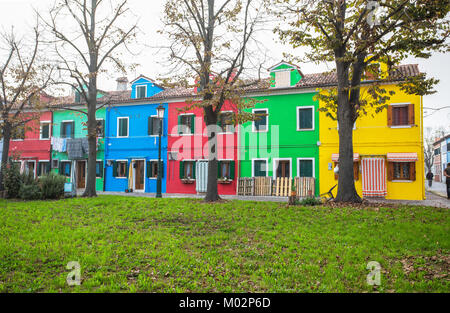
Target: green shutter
x=47, y=167
x=149, y=168
x=218, y=169
x=150, y=125
x=232, y=169
x=181, y=169
x=39, y=168
x=193, y=169
x=162, y=168
x=192, y=124
x=114, y=169
x=127, y=170
x=73, y=130
x=60, y=168
x=179, y=124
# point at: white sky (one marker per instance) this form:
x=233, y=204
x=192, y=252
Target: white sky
x=20, y=14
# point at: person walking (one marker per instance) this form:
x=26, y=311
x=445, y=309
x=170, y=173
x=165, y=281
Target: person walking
x=430, y=178
x=447, y=181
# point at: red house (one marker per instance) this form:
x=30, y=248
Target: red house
x=187, y=165
x=30, y=145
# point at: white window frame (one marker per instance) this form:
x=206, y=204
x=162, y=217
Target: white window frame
x=193, y=165
x=35, y=166
x=128, y=126
x=42, y=161
x=313, y=117
x=260, y=159
x=184, y=114
x=151, y=160
x=104, y=130
x=275, y=161
x=121, y=160
x=49, y=130
x=147, y=125
x=313, y=165
x=227, y=133
x=267, y=121
x=145, y=93
x=71, y=165
x=67, y=121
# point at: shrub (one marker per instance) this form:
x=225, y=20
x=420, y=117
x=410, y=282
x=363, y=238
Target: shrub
x=310, y=201
x=30, y=192
x=12, y=180
x=52, y=186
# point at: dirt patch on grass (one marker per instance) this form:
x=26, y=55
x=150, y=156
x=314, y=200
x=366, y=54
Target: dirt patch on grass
x=435, y=267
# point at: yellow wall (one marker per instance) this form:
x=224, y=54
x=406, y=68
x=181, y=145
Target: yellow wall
x=372, y=136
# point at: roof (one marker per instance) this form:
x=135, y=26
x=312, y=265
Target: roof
x=314, y=80
x=142, y=76
x=441, y=139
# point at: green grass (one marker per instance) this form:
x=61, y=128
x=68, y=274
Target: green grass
x=127, y=244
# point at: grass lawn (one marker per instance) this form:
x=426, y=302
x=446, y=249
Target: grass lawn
x=128, y=244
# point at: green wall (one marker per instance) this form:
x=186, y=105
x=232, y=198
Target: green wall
x=282, y=139
x=80, y=132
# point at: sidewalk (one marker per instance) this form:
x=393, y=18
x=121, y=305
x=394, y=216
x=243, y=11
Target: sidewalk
x=437, y=188
x=431, y=199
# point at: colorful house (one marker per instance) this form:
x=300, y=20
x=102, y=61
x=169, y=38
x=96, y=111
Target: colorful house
x=387, y=146
x=69, y=143
x=283, y=141
x=30, y=144
x=441, y=157
x=188, y=148
x=132, y=135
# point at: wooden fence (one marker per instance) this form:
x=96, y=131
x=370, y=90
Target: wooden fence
x=280, y=187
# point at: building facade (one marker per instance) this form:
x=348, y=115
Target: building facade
x=387, y=146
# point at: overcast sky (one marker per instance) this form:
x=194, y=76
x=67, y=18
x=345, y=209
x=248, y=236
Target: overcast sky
x=20, y=14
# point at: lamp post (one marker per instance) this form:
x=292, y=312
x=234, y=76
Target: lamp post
x=160, y=114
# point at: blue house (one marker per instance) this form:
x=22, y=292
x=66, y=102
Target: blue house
x=132, y=139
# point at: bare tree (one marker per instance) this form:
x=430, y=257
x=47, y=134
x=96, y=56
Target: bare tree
x=84, y=51
x=355, y=35
x=209, y=43
x=23, y=77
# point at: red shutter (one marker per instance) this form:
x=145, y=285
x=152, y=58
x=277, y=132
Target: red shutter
x=389, y=115
x=412, y=170
x=411, y=114
x=390, y=171
x=355, y=170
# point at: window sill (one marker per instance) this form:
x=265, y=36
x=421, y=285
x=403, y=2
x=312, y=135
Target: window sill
x=305, y=130
x=259, y=131
x=185, y=134
x=187, y=181
x=402, y=181
x=223, y=181
x=401, y=126
x=226, y=133
x=121, y=177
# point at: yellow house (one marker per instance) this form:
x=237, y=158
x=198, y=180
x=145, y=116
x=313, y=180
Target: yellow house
x=388, y=147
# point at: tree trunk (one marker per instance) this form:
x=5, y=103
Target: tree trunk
x=345, y=113
x=6, y=133
x=212, y=193
x=90, y=190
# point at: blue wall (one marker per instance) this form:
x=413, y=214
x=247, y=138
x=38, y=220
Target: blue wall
x=152, y=89
x=138, y=144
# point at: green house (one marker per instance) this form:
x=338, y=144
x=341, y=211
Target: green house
x=67, y=126
x=284, y=139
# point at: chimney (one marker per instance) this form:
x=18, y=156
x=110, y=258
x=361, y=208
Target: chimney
x=122, y=83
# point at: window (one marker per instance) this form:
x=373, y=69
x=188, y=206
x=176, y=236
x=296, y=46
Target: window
x=99, y=169
x=283, y=168
x=18, y=133
x=306, y=167
x=64, y=168
x=30, y=167
x=77, y=96
x=43, y=168
x=226, y=169
x=187, y=169
x=260, y=123
x=305, y=120
x=141, y=91
x=226, y=122
x=355, y=170
x=100, y=128
x=186, y=124
x=437, y=151
x=120, y=169
x=152, y=169
x=122, y=127
x=400, y=114
x=67, y=129
x=401, y=171
x=283, y=78
x=259, y=168
x=45, y=130
x=153, y=125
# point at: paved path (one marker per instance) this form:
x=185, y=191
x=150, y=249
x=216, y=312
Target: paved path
x=437, y=188
x=431, y=199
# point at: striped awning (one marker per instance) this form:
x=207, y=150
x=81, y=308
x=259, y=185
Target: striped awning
x=402, y=157
x=335, y=157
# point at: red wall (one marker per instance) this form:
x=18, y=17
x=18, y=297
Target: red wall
x=195, y=147
x=32, y=148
